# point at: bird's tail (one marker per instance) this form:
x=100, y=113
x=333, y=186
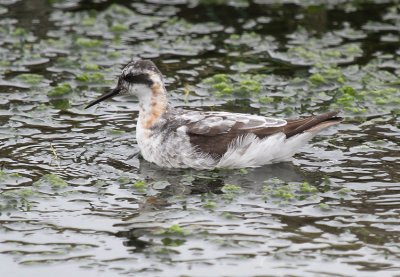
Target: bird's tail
x=312, y=124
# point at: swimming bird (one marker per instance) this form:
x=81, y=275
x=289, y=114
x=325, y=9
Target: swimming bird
x=178, y=138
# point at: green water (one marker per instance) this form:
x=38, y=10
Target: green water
x=77, y=198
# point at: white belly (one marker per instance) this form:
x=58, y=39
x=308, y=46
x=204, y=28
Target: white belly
x=171, y=150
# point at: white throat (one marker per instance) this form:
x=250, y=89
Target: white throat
x=152, y=102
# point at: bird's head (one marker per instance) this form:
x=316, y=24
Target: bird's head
x=140, y=78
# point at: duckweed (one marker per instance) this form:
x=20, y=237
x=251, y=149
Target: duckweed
x=17, y=199
x=172, y=242
x=227, y=188
x=91, y=66
x=60, y=90
x=312, y=71
x=91, y=77
x=266, y=99
x=283, y=192
x=317, y=79
x=6, y=175
x=61, y=104
x=210, y=205
x=124, y=180
x=19, y=31
x=55, y=181
x=88, y=42
x=115, y=132
x=31, y=79
x=25, y=192
x=307, y=188
x=344, y=191
x=324, y=206
x=276, y=188
x=140, y=185
x=242, y=85
x=175, y=230
x=118, y=28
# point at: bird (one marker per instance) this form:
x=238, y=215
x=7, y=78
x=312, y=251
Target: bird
x=177, y=138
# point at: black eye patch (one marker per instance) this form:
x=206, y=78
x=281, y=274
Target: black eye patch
x=138, y=79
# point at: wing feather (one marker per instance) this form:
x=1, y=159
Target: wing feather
x=216, y=123
x=212, y=132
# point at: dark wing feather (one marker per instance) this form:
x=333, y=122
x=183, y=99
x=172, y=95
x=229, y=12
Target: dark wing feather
x=213, y=132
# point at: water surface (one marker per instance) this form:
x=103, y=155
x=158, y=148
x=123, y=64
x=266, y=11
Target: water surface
x=77, y=198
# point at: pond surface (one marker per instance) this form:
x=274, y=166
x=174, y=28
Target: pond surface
x=76, y=198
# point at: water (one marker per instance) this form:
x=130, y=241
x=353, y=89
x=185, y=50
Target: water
x=76, y=198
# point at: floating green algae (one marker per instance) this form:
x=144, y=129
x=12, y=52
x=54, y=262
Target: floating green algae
x=30, y=79
x=115, y=132
x=119, y=28
x=17, y=199
x=175, y=230
x=6, y=175
x=210, y=205
x=88, y=43
x=228, y=188
x=53, y=180
x=91, y=77
x=241, y=85
x=13, y=196
x=277, y=189
x=140, y=186
x=191, y=42
x=60, y=90
x=61, y=104
x=91, y=66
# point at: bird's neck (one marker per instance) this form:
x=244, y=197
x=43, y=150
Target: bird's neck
x=152, y=104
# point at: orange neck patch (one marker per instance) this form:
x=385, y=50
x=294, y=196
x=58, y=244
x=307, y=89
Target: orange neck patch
x=158, y=105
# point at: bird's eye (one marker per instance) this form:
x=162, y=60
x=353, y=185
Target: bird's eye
x=138, y=79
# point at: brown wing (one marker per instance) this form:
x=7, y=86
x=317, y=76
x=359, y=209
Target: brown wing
x=215, y=139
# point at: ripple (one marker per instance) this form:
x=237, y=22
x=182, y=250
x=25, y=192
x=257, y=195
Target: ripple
x=76, y=197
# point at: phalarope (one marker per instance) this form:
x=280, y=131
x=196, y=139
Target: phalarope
x=177, y=138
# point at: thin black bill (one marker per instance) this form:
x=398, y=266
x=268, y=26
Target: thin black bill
x=104, y=97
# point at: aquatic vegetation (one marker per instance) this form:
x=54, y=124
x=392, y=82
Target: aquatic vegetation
x=12, y=195
x=124, y=180
x=317, y=79
x=250, y=41
x=16, y=199
x=60, y=90
x=261, y=57
x=91, y=66
x=6, y=175
x=119, y=28
x=55, y=181
x=210, y=205
x=115, y=132
x=30, y=79
x=175, y=230
x=307, y=188
x=91, y=77
x=241, y=85
x=227, y=188
x=314, y=52
x=180, y=27
x=61, y=104
x=172, y=242
x=277, y=189
x=140, y=185
x=324, y=206
x=89, y=43
x=344, y=191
